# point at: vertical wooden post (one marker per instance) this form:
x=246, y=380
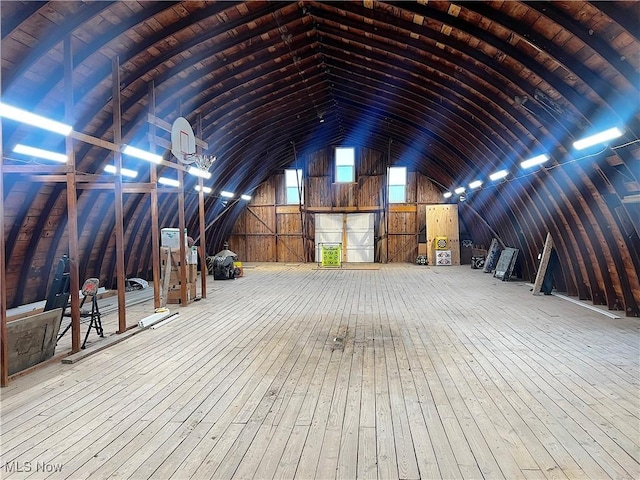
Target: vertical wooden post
x=183, y=250
x=72, y=209
x=117, y=139
x=544, y=263
x=344, y=238
x=385, y=204
x=203, y=245
x=4, y=347
x=155, y=229
x=203, y=242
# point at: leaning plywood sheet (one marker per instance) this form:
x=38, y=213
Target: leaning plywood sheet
x=32, y=339
x=505, y=265
x=492, y=256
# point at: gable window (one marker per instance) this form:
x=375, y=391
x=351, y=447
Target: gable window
x=294, y=187
x=345, y=165
x=397, y=184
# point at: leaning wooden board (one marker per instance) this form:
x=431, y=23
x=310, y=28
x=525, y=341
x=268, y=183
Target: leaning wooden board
x=32, y=340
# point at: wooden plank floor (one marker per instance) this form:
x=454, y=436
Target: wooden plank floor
x=401, y=371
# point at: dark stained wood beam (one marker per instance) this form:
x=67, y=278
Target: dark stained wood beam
x=72, y=211
x=4, y=339
x=119, y=216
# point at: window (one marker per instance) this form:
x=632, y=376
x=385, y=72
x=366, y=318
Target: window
x=345, y=165
x=294, y=187
x=397, y=184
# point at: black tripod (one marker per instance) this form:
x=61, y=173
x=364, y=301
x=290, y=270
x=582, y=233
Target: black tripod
x=89, y=289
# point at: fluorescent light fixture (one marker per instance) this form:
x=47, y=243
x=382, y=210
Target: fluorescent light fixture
x=142, y=154
x=125, y=171
x=169, y=182
x=598, y=138
x=532, y=162
x=204, y=189
x=498, y=175
x=38, y=152
x=475, y=184
x=245, y=197
x=227, y=194
x=459, y=190
x=198, y=172
x=447, y=194
x=32, y=119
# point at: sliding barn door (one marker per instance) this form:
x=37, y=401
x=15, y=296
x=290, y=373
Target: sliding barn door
x=355, y=231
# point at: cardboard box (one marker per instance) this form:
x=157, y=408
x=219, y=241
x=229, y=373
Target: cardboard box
x=422, y=249
x=175, y=258
x=170, y=237
x=173, y=296
x=192, y=273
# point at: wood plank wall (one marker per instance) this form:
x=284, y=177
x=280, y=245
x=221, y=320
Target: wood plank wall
x=271, y=231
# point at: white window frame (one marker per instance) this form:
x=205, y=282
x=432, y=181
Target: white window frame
x=342, y=163
x=394, y=181
x=296, y=186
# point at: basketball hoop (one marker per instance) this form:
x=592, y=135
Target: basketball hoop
x=203, y=162
x=183, y=146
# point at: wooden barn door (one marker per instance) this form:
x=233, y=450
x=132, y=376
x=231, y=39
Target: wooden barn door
x=359, y=237
x=355, y=231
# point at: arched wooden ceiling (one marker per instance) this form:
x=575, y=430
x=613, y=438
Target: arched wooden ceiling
x=455, y=90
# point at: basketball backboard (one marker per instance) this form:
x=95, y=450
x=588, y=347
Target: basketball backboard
x=183, y=141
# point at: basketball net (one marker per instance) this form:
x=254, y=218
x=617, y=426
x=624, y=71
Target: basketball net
x=203, y=162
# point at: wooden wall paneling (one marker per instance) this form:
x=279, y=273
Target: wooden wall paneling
x=240, y=225
x=320, y=193
x=25, y=249
x=310, y=228
x=138, y=245
x=402, y=247
x=289, y=234
x=266, y=193
x=280, y=191
x=90, y=206
x=403, y=244
x=427, y=191
x=380, y=233
x=345, y=194
x=442, y=221
x=261, y=248
x=26, y=192
x=412, y=188
x=135, y=205
x=320, y=164
x=369, y=190
x=261, y=219
x=370, y=162
x=238, y=245
x=290, y=248
x=289, y=224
